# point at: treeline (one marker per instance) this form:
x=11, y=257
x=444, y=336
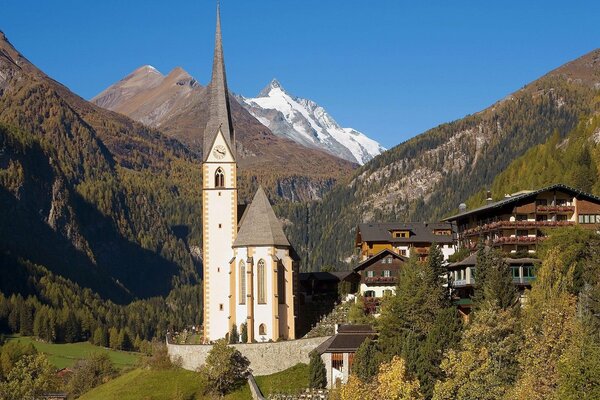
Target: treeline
x=546, y=347
x=573, y=160
x=59, y=311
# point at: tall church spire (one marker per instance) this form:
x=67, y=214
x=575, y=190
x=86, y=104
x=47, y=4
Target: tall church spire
x=219, y=110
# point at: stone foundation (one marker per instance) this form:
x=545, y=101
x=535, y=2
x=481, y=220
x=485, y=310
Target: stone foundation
x=265, y=358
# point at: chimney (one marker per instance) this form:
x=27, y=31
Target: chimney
x=488, y=197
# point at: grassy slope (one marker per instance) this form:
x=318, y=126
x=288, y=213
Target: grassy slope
x=65, y=355
x=182, y=384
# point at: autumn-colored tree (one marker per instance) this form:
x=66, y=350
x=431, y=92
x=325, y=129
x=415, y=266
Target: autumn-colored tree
x=549, y=324
x=391, y=383
x=30, y=378
x=225, y=368
x=579, y=367
x=486, y=365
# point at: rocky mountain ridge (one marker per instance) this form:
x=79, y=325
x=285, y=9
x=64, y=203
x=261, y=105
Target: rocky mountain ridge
x=305, y=122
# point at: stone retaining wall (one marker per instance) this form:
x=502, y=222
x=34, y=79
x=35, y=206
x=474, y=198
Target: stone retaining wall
x=265, y=358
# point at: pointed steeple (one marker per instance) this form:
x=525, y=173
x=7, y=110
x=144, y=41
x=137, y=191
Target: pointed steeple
x=219, y=110
x=259, y=225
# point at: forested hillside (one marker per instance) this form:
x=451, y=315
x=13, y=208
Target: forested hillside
x=573, y=160
x=427, y=177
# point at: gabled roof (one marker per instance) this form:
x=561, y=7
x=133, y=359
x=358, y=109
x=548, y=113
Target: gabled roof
x=525, y=195
x=259, y=225
x=347, y=340
x=383, y=253
x=421, y=232
x=219, y=110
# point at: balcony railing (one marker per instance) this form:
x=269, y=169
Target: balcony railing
x=517, y=239
x=381, y=279
x=515, y=224
x=555, y=208
x=525, y=280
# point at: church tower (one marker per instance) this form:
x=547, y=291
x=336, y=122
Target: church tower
x=219, y=199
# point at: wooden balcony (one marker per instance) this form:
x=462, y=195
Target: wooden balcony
x=555, y=209
x=517, y=239
x=492, y=226
x=380, y=280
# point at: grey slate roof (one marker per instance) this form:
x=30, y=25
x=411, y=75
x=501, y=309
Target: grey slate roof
x=347, y=340
x=421, y=232
x=521, y=196
x=259, y=225
x=219, y=110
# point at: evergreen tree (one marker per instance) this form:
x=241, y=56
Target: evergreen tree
x=100, y=337
x=365, y=364
x=244, y=333
x=113, y=338
x=493, y=281
x=234, y=337
x=317, y=377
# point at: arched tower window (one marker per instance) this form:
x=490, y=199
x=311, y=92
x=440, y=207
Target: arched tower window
x=261, y=282
x=262, y=329
x=219, y=178
x=242, y=281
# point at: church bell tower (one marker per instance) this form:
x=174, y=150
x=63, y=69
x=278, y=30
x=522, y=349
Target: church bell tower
x=219, y=199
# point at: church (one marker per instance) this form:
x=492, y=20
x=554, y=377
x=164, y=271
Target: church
x=249, y=266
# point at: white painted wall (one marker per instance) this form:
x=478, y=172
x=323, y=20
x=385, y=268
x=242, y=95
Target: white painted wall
x=219, y=229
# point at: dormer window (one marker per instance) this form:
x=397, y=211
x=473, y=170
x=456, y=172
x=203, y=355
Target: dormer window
x=219, y=178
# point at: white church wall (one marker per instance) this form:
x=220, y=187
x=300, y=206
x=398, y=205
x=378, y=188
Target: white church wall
x=263, y=313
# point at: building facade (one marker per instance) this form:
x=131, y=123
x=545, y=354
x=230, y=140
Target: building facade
x=405, y=239
x=249, y=272
x=517, y=223
x=379, y=277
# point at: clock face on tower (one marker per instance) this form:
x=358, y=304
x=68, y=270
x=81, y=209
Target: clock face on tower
x=219, y=152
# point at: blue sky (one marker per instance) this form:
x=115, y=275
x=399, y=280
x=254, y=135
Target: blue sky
x=389, y=68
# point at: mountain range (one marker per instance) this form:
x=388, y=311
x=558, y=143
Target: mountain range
x=176, y=104
x=168, y=103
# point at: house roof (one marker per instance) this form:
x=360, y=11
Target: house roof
x=383, y=253
x=420, y=232
x=219, y=110
x=259, y=225
x=347, y=340
x=521, y=196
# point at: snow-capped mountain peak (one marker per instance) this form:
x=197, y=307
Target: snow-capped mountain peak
x=307, y=123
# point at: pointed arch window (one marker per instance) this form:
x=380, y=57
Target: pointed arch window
x=219, y=178
x=261, y=282
x=281, y=283
x=242, y=282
